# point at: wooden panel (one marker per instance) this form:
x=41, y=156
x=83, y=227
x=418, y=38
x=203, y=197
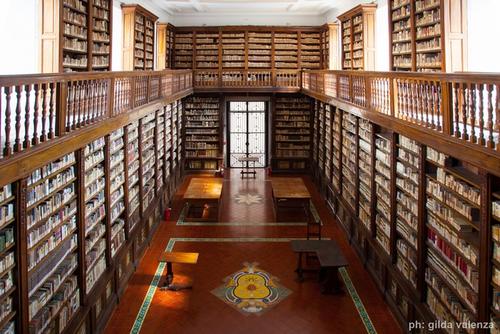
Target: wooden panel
x=455, y=21
x=49, y=36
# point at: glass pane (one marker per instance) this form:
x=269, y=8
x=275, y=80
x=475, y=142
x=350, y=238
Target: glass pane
x=238, y=122
x=256, y=106
x=238, y=106
x=257, y=122
x=238, y=143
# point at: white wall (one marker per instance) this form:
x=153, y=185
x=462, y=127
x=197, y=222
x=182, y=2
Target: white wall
x=117, y=45
x=483, y=35
x=245, y=19
x=382, y=36
x=19, y=36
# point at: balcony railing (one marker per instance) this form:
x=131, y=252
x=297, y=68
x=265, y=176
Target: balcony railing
x=236, y=79
x=38, y=108
x=464, y=106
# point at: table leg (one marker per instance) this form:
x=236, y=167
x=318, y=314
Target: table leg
x=299, y=270
x=330, y=282
x=170, y=275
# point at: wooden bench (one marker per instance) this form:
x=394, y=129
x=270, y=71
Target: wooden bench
x=176, y=257
x=330, y=259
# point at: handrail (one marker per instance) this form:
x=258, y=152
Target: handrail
x=37, y=108
x=461, y=105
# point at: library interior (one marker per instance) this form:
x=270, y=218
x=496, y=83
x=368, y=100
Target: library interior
x=231, y=166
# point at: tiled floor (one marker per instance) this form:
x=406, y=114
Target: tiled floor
x=248, y=234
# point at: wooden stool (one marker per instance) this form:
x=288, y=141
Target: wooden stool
x=176, y=257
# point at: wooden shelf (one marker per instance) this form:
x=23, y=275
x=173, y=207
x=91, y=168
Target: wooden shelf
x=139, y=40
x=358, y=45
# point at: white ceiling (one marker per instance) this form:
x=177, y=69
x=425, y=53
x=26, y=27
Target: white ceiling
x=247, y=12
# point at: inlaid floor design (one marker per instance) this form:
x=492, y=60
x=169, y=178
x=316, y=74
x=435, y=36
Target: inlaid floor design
x=223, y=249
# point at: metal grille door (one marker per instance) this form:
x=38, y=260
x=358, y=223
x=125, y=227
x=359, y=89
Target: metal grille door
x=247, y=132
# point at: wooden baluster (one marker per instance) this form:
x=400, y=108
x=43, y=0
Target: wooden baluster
x=36, y=107
x=491, y=143
x=481, y=115
x=406, y=104
x=43, y=136
x=87, y=92
x=463, y=96
x=428, y=113
x=434, y=107
x=81, y=105
x=88, y=101
x=7, y=151
x=51, y=110
x=497, y=108
x=439, y=103
x=413, y=99
x=27, y=119
x=95, y=98
x=472, y=110
x=456, y=94
x=17, y=141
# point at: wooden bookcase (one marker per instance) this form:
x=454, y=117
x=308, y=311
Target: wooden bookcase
x=260, y=49
x=9, y=262
x=358, y=38
x=183, y=50
x=207, y=49
x=291, y=130
x=72, y=230
x=203, y=133
x=76, y=35
x=138, y=38
x=254, y=48
x=423, y=37
x=418, y=218
x=165, y=36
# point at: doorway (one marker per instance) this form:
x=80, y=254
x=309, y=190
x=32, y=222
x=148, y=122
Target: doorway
x=247, y=131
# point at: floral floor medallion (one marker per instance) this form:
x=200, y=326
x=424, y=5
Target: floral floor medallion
x=251, y=290
x=248, y=199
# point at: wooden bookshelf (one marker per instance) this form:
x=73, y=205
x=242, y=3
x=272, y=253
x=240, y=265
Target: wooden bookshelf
x=365, y=172
x=52, y=225
x=311, y=46
x=233, y=49
x=423, y=38
x=133, y=166
x=414, y=215
x=453, y=209
x=116, y=179
x=147, y=154
x=8, y=262
x=358, y=38
x=138, y=38
x=260, y=49
x=494, y=260
x=408, y=164
x=183, y=49
x=94, y=214
x=292, y=133
x=286, y=50
x=207, y=50
x=249, y=47
x=76, y=36
x=203, y=133
x=165, y=36
x=325, y=47
x=384, y=189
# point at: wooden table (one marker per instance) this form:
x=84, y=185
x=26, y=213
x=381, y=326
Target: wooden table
x=330, y=259
x=176, y=257
x=245, y=170
x=203, y=199
x=289, y=193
